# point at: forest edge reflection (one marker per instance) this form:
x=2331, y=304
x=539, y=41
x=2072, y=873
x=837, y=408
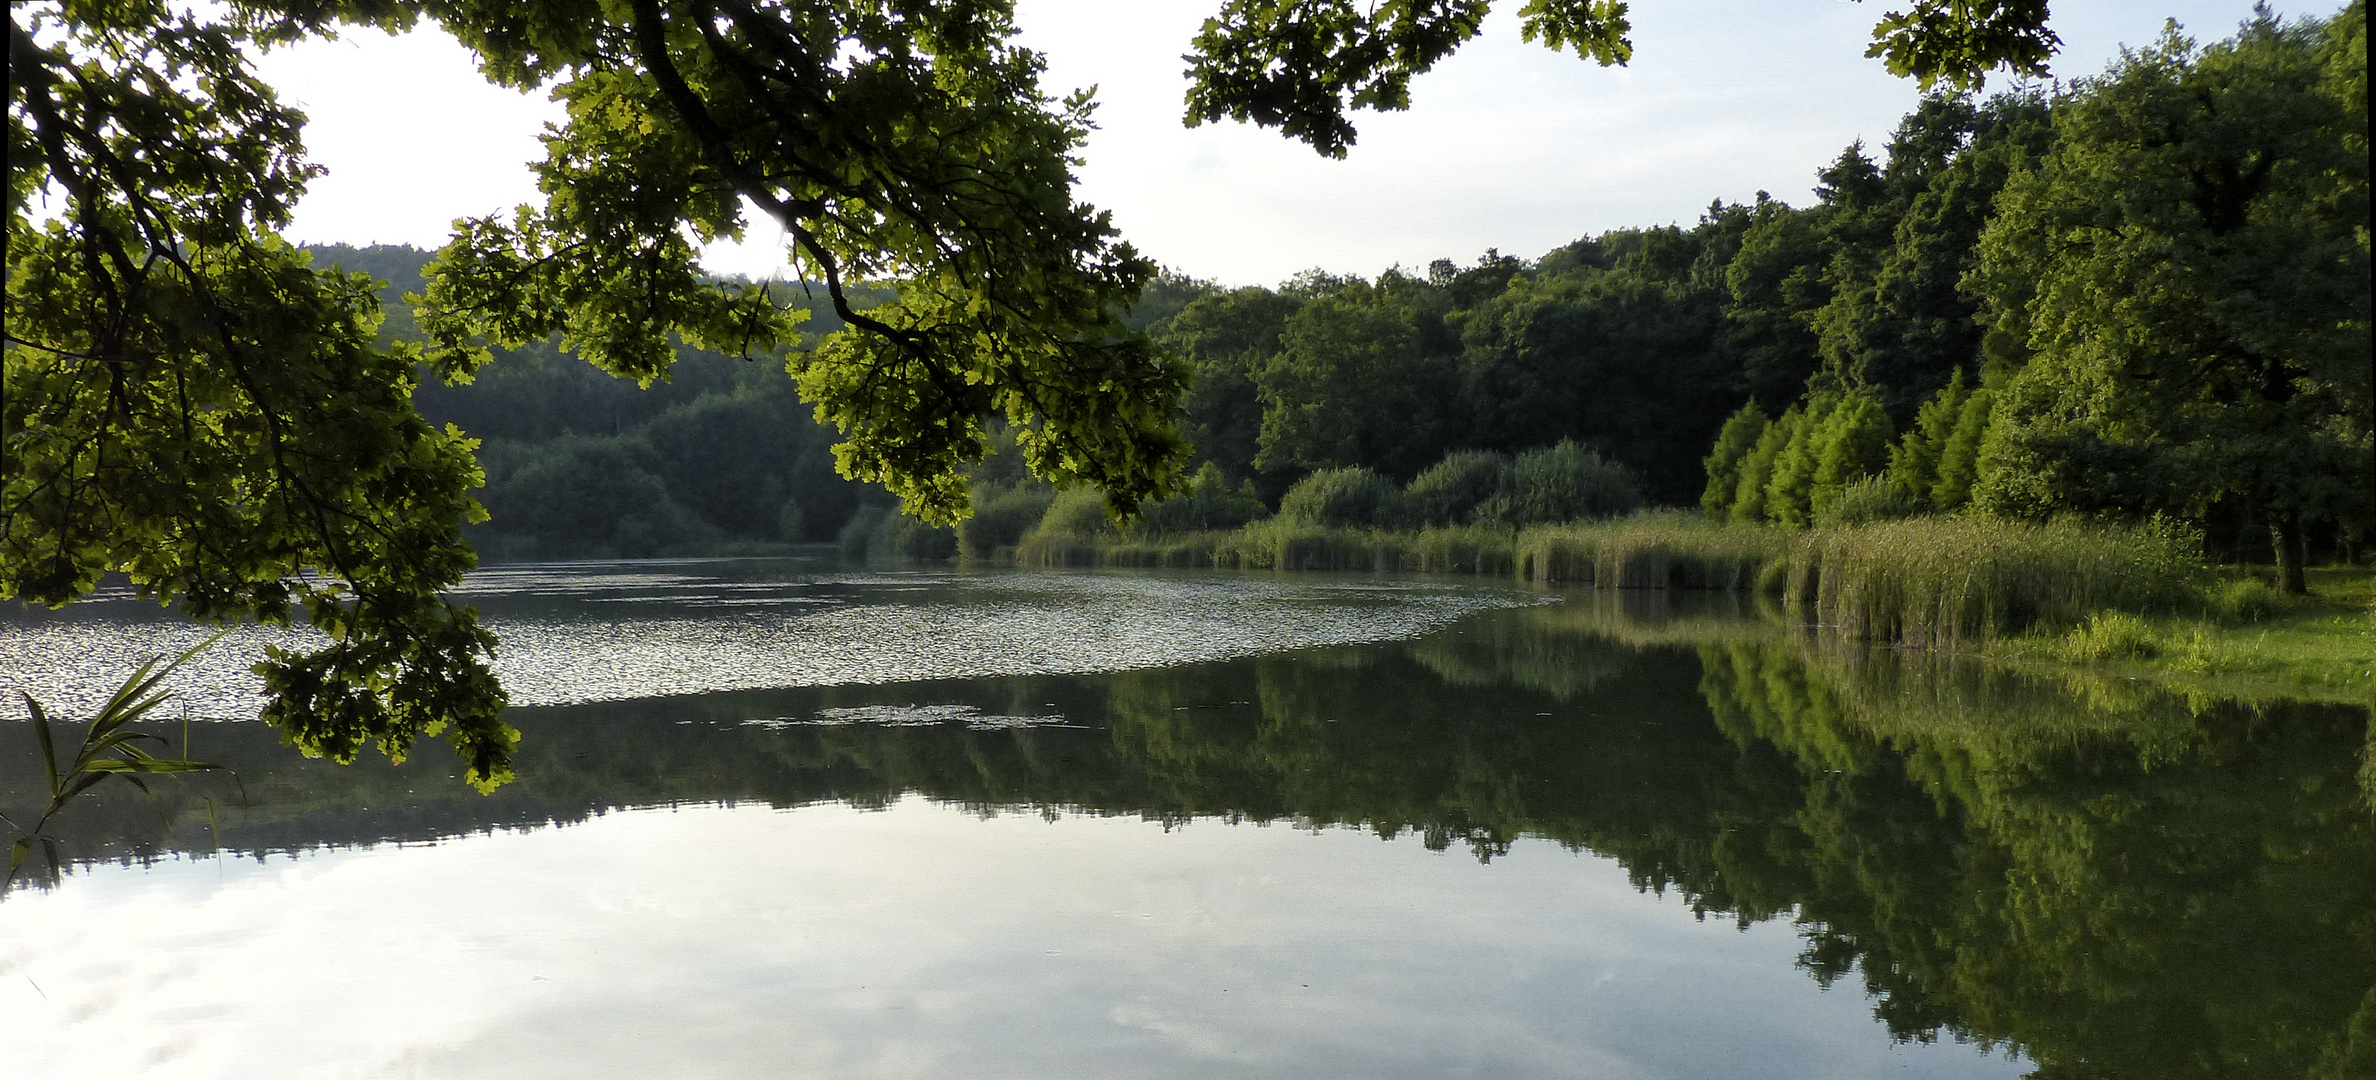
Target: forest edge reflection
x=2114, y=880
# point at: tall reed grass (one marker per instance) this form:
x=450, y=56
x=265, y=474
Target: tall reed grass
x=1944, y=582
x=1280, y=544
x=1659, y=549
x=1926, y=582
x=1939, y=582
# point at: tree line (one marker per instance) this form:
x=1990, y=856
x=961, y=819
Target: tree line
x=2145, y=292
x=1931, y=334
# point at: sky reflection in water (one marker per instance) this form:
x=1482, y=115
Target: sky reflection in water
x=921, y=941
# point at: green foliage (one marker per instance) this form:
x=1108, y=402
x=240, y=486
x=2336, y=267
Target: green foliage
x=1774, y=284
x=2220, y=195
x=1959, y=456
x=1451, y=491
x=1612, y=340
x=1936, y=460
x=1231, y=338
x=1002, y=517
x=1900, y=324
x=1851, y=444
x=1076, y=514
x=1734, y=444
x=882, y=534
x=1959, y=43
x=1352, y=383
x=1347, y=498
x=583, y=496
x=1301, y=65
x=1750, y=499
x=1210, y=505
x=1790, y=488
x=236, y=444
x=1560, y=483
x=1914, y=461
x=1625, y=358
x=2247, y=599
x=893, y=144
x=189, y=403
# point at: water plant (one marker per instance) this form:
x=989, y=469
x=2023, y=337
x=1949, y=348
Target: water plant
x=109, y=748
x=1951, y=581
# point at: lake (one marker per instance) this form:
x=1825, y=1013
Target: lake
x=788, y=818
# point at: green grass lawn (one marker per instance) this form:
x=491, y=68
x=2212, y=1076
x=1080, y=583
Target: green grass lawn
x=2322, y=647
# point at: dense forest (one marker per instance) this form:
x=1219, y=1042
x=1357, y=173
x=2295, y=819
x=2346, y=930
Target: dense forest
x=2141, y=293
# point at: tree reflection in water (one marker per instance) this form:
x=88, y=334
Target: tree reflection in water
x=2117, y=881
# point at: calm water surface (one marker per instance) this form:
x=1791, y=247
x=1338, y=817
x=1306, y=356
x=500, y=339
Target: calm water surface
x=781, y=820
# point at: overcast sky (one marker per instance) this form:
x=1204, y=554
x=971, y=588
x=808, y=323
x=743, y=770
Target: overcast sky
x=1507, y=145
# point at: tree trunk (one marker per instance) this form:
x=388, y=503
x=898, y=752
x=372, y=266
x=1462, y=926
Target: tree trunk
x=2285, y=533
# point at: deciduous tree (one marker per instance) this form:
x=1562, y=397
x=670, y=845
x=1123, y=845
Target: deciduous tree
x=2188, y=270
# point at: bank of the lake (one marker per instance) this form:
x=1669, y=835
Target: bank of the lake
x=2136, y=601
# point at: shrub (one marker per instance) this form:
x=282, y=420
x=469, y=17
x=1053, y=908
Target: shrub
x=1209, y=505
x=1451, y=490
x=1001, y=516
x=1076, y=514
x=1757, y=467
x=1349, y=498
x=1566, y=482
x=881, y=532
x=1790, y=484
x=2245, y=600
x=2108, y=635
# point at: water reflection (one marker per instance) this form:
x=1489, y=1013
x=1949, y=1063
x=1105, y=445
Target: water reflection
x=2111, y=881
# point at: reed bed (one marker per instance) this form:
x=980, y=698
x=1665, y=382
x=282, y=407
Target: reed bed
x=1927, y=582
x=1948, y=582
x=1654, y=550
x=1288, y=545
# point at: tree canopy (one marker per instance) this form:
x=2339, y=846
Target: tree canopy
x=2185, y=280
x=1301, y=65
x=2159, y=276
